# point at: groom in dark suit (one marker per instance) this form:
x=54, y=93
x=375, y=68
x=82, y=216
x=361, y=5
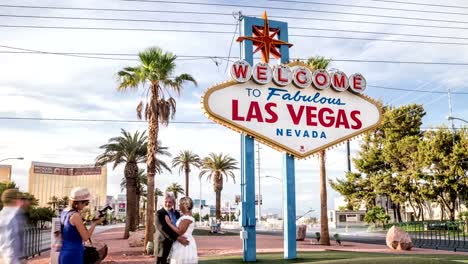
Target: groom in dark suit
x=165, y=236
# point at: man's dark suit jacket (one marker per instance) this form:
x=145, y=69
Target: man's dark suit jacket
x=165, y=236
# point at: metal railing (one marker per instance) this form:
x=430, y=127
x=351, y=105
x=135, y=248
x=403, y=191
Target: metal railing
x=446, y=235
x=36, y=241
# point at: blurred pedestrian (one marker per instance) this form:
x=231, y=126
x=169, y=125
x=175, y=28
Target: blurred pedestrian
x=74, y=232
x=12, y=224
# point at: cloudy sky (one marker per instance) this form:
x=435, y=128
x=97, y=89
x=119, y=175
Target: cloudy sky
x=36, y=85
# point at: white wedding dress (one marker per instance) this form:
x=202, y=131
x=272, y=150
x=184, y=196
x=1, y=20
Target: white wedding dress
x=181, y=254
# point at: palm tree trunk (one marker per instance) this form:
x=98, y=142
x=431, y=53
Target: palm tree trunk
x=130, y=172
x=137, y=211
x=324, y=235
x=187, y=172
x=218, y=204
x=153, y=130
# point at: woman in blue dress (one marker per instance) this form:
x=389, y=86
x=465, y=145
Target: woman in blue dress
x=74, y=232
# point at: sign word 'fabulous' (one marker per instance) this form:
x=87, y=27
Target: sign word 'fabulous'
x=290, y=108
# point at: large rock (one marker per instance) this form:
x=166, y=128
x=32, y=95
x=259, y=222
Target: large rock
x=301, y=232
x=398, y=239
x=136, y=239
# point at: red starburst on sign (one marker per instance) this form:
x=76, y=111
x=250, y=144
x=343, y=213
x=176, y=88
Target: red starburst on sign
x=264, y=39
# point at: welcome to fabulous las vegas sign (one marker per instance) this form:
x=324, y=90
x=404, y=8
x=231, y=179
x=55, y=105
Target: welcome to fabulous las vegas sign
x=293, y=107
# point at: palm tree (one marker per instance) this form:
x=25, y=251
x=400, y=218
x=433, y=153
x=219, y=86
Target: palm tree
x=63, y=202
x=217, y=166
x=130, y=150
x=54, y=200
x=141, y=182
x=175, y=188
x=184, y=160
x=319, y=62
x=156, y=76
x=157, y=193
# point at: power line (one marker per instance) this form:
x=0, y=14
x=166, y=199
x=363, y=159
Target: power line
x=294, y=9
x=403, y=62
x=226, y=32
x=364, y=6
x=229, y=14
x=378, y=33
x=121, y=19
x=96, y=120
x=117, y=29
x=209, y=57
x=117, y=121
x=421, y=4
x=226, y=24
x=413, y=90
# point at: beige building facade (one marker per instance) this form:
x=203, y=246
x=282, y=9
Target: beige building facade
x=5, y=173
x=53, y=179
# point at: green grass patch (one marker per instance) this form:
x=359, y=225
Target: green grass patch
x=204, y=232
x=342, y=257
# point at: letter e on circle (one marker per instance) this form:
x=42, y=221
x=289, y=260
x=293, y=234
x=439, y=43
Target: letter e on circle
x=261, y=73
x=357, y=83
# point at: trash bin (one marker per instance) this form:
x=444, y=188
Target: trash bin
x=301, y=232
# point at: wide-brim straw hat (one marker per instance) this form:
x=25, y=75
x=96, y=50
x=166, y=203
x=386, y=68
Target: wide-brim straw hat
x=80, y=194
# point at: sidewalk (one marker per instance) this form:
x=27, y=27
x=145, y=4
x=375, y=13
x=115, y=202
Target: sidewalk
x=120, y=252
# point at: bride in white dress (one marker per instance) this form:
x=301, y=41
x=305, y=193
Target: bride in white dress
x=181, y=254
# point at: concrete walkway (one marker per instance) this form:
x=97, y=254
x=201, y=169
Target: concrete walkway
x=120, y=252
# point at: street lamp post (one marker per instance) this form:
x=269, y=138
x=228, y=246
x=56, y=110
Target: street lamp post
x=451, y=118
x=18, y=158
x=456, y=118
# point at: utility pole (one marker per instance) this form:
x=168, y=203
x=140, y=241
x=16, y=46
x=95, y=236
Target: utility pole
x=348, y=154
x=457, y=205
x=451, y=114
x=259, y=185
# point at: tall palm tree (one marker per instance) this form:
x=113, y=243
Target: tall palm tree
x=63, y=202
x=175, y=188
x=142, y=179
x=141, y=182
x=319, y=62
x=157, y=193
x=130, y=150
x=156, y=76
x=184, y=160
x=216, y=167
x=54, y=200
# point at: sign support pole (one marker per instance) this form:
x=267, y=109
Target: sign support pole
x=289, y=208
x=289, y=183
x=248, y=166
x=248, y=172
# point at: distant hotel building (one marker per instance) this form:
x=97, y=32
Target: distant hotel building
x=53, y=179
x=5, y=173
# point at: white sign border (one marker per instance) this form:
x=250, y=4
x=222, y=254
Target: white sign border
x=275, y=145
